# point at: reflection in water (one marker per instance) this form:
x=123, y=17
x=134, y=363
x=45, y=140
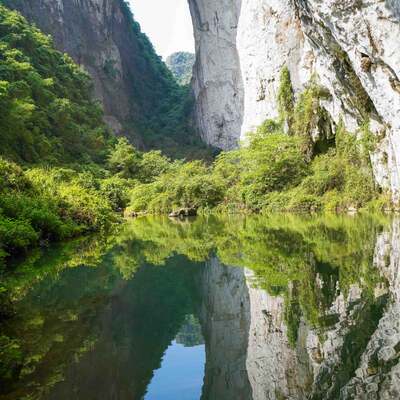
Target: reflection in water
x=217, y=308
x=167, y=384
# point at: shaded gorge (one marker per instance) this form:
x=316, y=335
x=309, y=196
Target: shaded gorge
x=220, y=308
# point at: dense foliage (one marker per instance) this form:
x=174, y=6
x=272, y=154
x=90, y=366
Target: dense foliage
x=48, y=120
x=47, y=113
x=167, y=123
x=44, y=204
x=281, y=167
x=41, y=204
x=69, y=178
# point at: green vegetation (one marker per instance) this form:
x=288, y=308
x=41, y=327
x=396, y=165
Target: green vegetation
x=165, y=124
x=74, y=177
x=56, y=302
x=47, y=113
x=61, y=175
x=47, y=204
x=41, y=204
x=48, y=118
x=297, y=163
x=288, y=254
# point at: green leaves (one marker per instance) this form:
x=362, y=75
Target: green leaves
x=124, y=160
x=47, y=112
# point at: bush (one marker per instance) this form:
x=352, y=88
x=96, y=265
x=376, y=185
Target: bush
x=86, y=207
x=54, y=204
x=12, y=176
x=188, y=185
x=116, y=190
x=270, y=163
x=16, y=235
x=124, y=159
x=40, y=213
x=152, y=165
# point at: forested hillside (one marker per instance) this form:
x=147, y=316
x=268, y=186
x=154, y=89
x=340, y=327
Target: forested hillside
x=47, y=113
x=140, y=96
x=61, y=173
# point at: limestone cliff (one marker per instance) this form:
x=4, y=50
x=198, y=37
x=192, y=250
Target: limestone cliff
x=217, y=80
x=129, y=78
x=350, y=46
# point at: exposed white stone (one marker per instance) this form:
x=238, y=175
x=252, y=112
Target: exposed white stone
x=269, y=37
x=217, y=79
x=308, y=37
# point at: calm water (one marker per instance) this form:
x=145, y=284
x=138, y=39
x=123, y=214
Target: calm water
x=254, y=308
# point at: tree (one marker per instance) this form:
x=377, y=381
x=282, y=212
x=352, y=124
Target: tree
x=124, y=160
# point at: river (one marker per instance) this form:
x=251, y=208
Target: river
x=214, y=308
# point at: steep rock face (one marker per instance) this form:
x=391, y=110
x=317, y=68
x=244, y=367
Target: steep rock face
x=249, y=355
x=350, y=46
x=365, y=36
x=217, y=80
x=101, y=36
x=276, y=370
x=373, y=372
x=269, y=37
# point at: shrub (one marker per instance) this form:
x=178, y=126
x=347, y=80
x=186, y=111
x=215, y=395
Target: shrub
x=285, y=97
x=86, y=207
x=40, y=213
x=270, y=163
x=12, y=176
x=188, y=185
x=116, y=190
x=143, y=198
x=124, y=159
x=152, y=165
x=16, y=234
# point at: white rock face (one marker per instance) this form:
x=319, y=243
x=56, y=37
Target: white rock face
x=352, y=46
x=275, y=369
x=379, y=369
x=217, y=80
x=269, y=37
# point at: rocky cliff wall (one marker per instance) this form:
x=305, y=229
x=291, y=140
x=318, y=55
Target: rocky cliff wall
x=350, y=46
x=217, y=82
x=129, y=78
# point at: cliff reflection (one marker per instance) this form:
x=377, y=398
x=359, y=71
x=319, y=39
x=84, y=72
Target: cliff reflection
x=288, y=308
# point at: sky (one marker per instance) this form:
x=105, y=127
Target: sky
x=167, y=23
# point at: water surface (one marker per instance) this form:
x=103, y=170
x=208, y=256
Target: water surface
x=278, y=307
